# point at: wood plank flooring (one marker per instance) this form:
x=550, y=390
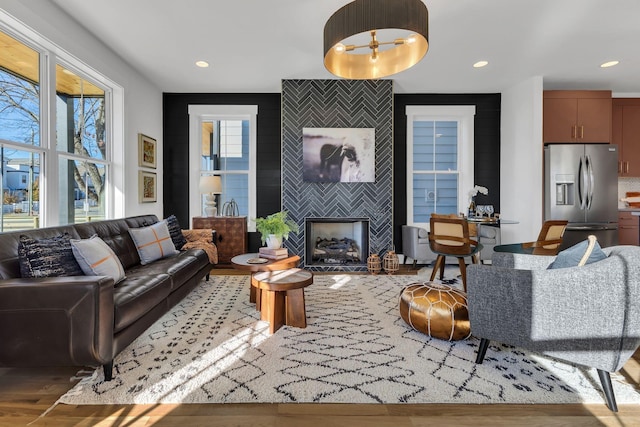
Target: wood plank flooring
x=25, y=395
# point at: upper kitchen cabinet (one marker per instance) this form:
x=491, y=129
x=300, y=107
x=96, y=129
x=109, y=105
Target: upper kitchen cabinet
x=626, y=134
x=576, y=116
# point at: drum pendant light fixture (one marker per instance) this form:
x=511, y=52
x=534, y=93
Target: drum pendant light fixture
x=378, y=57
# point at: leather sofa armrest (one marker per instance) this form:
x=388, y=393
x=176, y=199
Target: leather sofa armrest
x=56, y=321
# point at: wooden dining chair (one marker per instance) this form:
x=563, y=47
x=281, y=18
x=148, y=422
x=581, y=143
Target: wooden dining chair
x=450, y=237
x=549, y=238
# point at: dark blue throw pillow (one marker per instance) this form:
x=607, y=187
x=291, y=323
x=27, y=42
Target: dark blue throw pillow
x=175, y=232
x=580, y=254
x=47, y=257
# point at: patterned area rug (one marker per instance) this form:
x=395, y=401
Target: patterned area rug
x=212, y=348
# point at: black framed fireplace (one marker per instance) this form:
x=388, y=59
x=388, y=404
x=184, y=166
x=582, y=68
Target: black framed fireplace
x=336, y=242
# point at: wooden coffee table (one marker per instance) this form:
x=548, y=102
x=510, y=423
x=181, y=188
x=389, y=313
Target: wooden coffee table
x=241, y=262
x=281, y=296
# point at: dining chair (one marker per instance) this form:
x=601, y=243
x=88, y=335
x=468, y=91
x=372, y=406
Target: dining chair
x=549, y=238
x=548, y=241
x=450, y=237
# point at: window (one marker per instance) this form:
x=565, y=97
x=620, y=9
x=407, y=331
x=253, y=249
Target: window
x=20, y=152
x=223, y=142
x=55, y=152
x=439, y=160
x=81, y=144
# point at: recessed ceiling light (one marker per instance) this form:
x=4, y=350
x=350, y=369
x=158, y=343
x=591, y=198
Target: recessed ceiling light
x=480, y=64
x=202, y=64
x=609, y=64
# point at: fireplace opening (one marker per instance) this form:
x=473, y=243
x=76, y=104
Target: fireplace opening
x=336, y=241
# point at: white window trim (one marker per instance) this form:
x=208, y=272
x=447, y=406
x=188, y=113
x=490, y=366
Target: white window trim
x=464, y=115
x=51, y=54
x=201, y=113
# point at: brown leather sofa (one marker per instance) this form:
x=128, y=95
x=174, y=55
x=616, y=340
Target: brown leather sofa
x=86, y=320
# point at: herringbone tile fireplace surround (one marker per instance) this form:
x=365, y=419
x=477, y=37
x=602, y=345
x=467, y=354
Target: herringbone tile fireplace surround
x=338, y=104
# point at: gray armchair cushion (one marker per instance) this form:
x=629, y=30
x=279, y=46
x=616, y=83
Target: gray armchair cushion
x=586, y=315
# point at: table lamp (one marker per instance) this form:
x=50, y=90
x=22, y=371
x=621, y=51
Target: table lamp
x=210, y=185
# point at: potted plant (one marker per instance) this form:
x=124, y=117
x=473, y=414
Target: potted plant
x=275, y=228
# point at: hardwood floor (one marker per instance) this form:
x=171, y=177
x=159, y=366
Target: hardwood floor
x=26, y=394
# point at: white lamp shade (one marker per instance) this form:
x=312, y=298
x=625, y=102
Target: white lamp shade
x=210, y=184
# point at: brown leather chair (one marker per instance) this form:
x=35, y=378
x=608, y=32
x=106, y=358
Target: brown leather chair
x=548, y=242
x=450, y=237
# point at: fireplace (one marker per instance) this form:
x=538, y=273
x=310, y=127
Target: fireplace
x=334, y=242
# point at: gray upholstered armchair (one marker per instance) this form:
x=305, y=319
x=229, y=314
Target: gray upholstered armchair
x=415, y=245
x=586, y=315
x=488, y=237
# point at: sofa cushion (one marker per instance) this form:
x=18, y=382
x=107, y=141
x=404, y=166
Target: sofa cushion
x=175, y=232
x=96, y=258
x=180, y=267
x=580, y=254
x=47, y=257
x=138, y=294
x=153, y=242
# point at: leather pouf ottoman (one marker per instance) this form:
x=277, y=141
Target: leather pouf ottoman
x=439, y=311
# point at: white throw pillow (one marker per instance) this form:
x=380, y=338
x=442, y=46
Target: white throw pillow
x=153, y=242
x=96, y=258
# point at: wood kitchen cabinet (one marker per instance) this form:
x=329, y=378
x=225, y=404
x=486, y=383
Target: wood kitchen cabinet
x=576, y=116
x=231, y=233
x=626, y=134
x=628, y=229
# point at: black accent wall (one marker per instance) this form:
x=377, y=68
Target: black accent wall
x=486, y=150
x=176, y=151
x=269, y=143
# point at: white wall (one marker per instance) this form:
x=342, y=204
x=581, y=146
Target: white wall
x=521, y=161
x=141, y=100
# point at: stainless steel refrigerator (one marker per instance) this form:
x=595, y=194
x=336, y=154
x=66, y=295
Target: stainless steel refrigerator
x=581, y=186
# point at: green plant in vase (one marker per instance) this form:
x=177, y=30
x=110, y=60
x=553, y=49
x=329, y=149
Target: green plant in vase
x=275, y=228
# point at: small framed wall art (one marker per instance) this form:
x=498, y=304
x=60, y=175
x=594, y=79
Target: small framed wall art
x=147, y=151
x=147, y=186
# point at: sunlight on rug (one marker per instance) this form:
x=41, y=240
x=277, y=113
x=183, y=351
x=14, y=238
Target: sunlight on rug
x=213, y=348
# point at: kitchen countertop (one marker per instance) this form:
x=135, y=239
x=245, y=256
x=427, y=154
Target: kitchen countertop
x=634, y=211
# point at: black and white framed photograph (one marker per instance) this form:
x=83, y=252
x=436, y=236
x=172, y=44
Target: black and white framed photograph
x=338, y=154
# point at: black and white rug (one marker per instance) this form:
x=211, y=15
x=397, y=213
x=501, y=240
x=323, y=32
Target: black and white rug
x=213, y=348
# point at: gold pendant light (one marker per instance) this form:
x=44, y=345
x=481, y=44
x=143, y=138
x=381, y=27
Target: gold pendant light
x=378, y=58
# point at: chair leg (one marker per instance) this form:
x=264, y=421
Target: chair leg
x=436, y=266
x=605, y=379
x=482, y=349
x=443, y=264
x=463, y=272
x=415, y=262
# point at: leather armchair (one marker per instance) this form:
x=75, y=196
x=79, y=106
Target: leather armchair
x=587, y=315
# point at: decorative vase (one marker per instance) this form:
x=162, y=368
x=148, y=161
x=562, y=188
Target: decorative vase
x=472, y=207
x=274, y=242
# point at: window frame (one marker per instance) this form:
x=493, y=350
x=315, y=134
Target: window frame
x=203, y=113
x=464, y=116
x=50, y=55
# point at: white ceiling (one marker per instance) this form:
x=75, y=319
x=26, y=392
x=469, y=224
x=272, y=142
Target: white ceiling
x=253, y=44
